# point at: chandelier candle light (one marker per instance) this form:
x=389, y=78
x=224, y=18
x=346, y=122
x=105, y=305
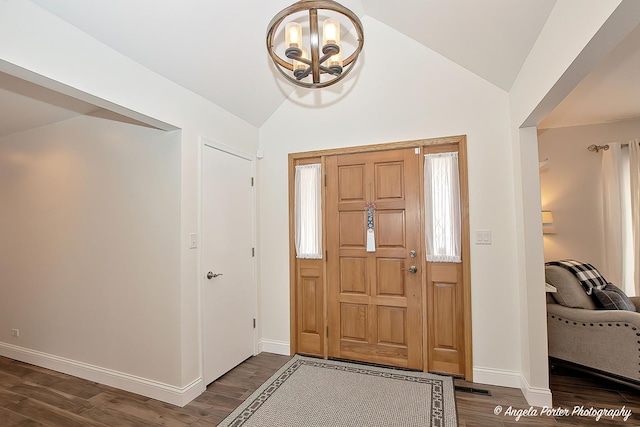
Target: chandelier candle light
x=326, y=60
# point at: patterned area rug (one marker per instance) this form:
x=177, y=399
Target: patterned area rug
x=318, y=393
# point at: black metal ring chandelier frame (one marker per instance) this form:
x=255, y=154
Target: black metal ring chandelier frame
x=315, y=67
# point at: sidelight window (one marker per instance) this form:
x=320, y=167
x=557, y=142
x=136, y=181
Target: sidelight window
x=308, y=211
x=442, y=207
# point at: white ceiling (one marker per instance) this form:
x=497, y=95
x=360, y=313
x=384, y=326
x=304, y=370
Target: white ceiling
x=492, y=38
x=217, y=48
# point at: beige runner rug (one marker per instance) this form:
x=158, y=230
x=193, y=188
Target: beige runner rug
x=319, y=393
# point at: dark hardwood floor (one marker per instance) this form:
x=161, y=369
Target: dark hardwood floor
x=570, y=389
x=33, y=396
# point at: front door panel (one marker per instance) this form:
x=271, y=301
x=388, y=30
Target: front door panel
x=374, y=300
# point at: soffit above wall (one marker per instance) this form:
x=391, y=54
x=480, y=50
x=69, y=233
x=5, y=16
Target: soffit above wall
x=610, y=93
x=24, y=106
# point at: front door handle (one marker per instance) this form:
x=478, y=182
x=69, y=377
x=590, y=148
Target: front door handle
x=211, y=275
x=413, y=269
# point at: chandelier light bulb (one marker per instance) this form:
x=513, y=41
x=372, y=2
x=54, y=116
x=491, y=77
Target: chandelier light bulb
x=335, y=62
x=330, y=32
x=293, y=39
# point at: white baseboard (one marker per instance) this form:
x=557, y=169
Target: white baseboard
x=535, y=396
x=499, y=377
x=272, y=346
x=179, y=396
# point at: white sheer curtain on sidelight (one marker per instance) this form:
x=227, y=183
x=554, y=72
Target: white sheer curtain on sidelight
x=308, y=211
x=442, y=207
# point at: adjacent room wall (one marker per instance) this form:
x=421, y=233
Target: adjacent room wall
x=39, y=47
x=90, y=244
x=571, y=188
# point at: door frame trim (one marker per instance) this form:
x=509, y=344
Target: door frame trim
x=208, y=142
x=461, y=142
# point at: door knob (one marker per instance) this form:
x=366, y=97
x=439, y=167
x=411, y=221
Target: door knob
x=211, y=275
x=412, y=269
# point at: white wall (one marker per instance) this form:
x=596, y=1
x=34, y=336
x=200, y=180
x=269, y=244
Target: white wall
x=39, y=47
x=89, y=244
x=436, y=98
x=571, y=188
x=433, y=98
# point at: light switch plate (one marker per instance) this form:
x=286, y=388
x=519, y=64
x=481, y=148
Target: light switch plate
x=483, y=237
x=193, y=240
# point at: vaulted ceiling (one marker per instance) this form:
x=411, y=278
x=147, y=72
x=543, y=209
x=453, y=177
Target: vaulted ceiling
x=217, y=48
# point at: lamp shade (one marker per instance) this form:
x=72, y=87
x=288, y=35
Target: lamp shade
x=548, y=226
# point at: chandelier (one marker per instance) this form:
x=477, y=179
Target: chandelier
x=318, y=65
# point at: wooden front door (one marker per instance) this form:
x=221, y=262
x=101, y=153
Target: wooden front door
x=374, y=300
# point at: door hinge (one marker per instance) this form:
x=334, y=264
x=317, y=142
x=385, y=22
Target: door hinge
x=327, y=331
x=252, y=181
x=326, y=254
x=253, y=252
x=254, y=323
x=325, y=180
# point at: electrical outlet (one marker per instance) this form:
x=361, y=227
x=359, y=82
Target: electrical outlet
x=15, y=333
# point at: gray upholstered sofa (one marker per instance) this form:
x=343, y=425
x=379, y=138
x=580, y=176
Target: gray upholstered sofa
x=605, y=341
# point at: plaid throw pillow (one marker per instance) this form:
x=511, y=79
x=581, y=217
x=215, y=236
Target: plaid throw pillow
x=589, y=276
x=612, y=298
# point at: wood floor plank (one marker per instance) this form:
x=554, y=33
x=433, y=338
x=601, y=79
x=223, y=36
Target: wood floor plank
x=50, y=415
x=206, y=423
x=76, y=387
x=8, y=380
x=117, y=392
x=8, y=398
x=226, y=390
x=112, y=417
x=12, y=419
x=193, y=408
x=16, y=368
x=52, y=397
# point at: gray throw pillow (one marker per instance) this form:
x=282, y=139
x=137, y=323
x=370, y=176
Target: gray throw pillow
x=612, y=298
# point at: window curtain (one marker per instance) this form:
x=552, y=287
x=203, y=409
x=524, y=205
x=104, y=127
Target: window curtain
x=308, y=211
x=627, y=227
x=612, y=205
x=634, y=184
x=442, y=207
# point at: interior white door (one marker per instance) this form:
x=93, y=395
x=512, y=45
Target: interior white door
x=227, y=263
